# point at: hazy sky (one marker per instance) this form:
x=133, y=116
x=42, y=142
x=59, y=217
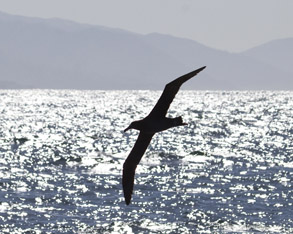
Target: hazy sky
x=232, y=25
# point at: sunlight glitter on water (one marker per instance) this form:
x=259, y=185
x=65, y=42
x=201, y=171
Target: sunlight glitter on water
x=229, y=170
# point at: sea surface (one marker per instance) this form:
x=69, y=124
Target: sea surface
x=228, y=171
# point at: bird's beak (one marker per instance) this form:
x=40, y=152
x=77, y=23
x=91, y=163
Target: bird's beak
x=126, y=129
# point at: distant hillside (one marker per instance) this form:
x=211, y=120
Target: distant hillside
x=60, y=54
x=277, y=53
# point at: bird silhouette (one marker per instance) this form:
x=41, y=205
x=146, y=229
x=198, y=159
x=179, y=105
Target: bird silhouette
x=155, y=122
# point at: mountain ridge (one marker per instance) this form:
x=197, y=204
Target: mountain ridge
x=62, y=54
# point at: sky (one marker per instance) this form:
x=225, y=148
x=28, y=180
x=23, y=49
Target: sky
x=230, y=25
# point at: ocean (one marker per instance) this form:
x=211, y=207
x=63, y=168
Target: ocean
x=228, y=171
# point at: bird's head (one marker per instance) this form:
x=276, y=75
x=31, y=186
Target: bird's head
x=133, y=125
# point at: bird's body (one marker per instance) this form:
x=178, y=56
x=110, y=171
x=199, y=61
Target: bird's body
x=151, y=125
x=155, y=122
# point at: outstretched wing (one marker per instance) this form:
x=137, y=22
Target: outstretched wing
x=131, y=162
x=171, y=89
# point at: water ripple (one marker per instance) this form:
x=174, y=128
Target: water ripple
x=61, y=154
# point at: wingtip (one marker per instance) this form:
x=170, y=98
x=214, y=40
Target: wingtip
x=127, y=199
x=193, y=73
x=127, y=182
x=202, y=68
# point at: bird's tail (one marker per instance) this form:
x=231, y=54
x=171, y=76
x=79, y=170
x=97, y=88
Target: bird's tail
x=178, y=121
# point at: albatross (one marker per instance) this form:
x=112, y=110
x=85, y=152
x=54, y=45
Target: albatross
x=155, y=122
